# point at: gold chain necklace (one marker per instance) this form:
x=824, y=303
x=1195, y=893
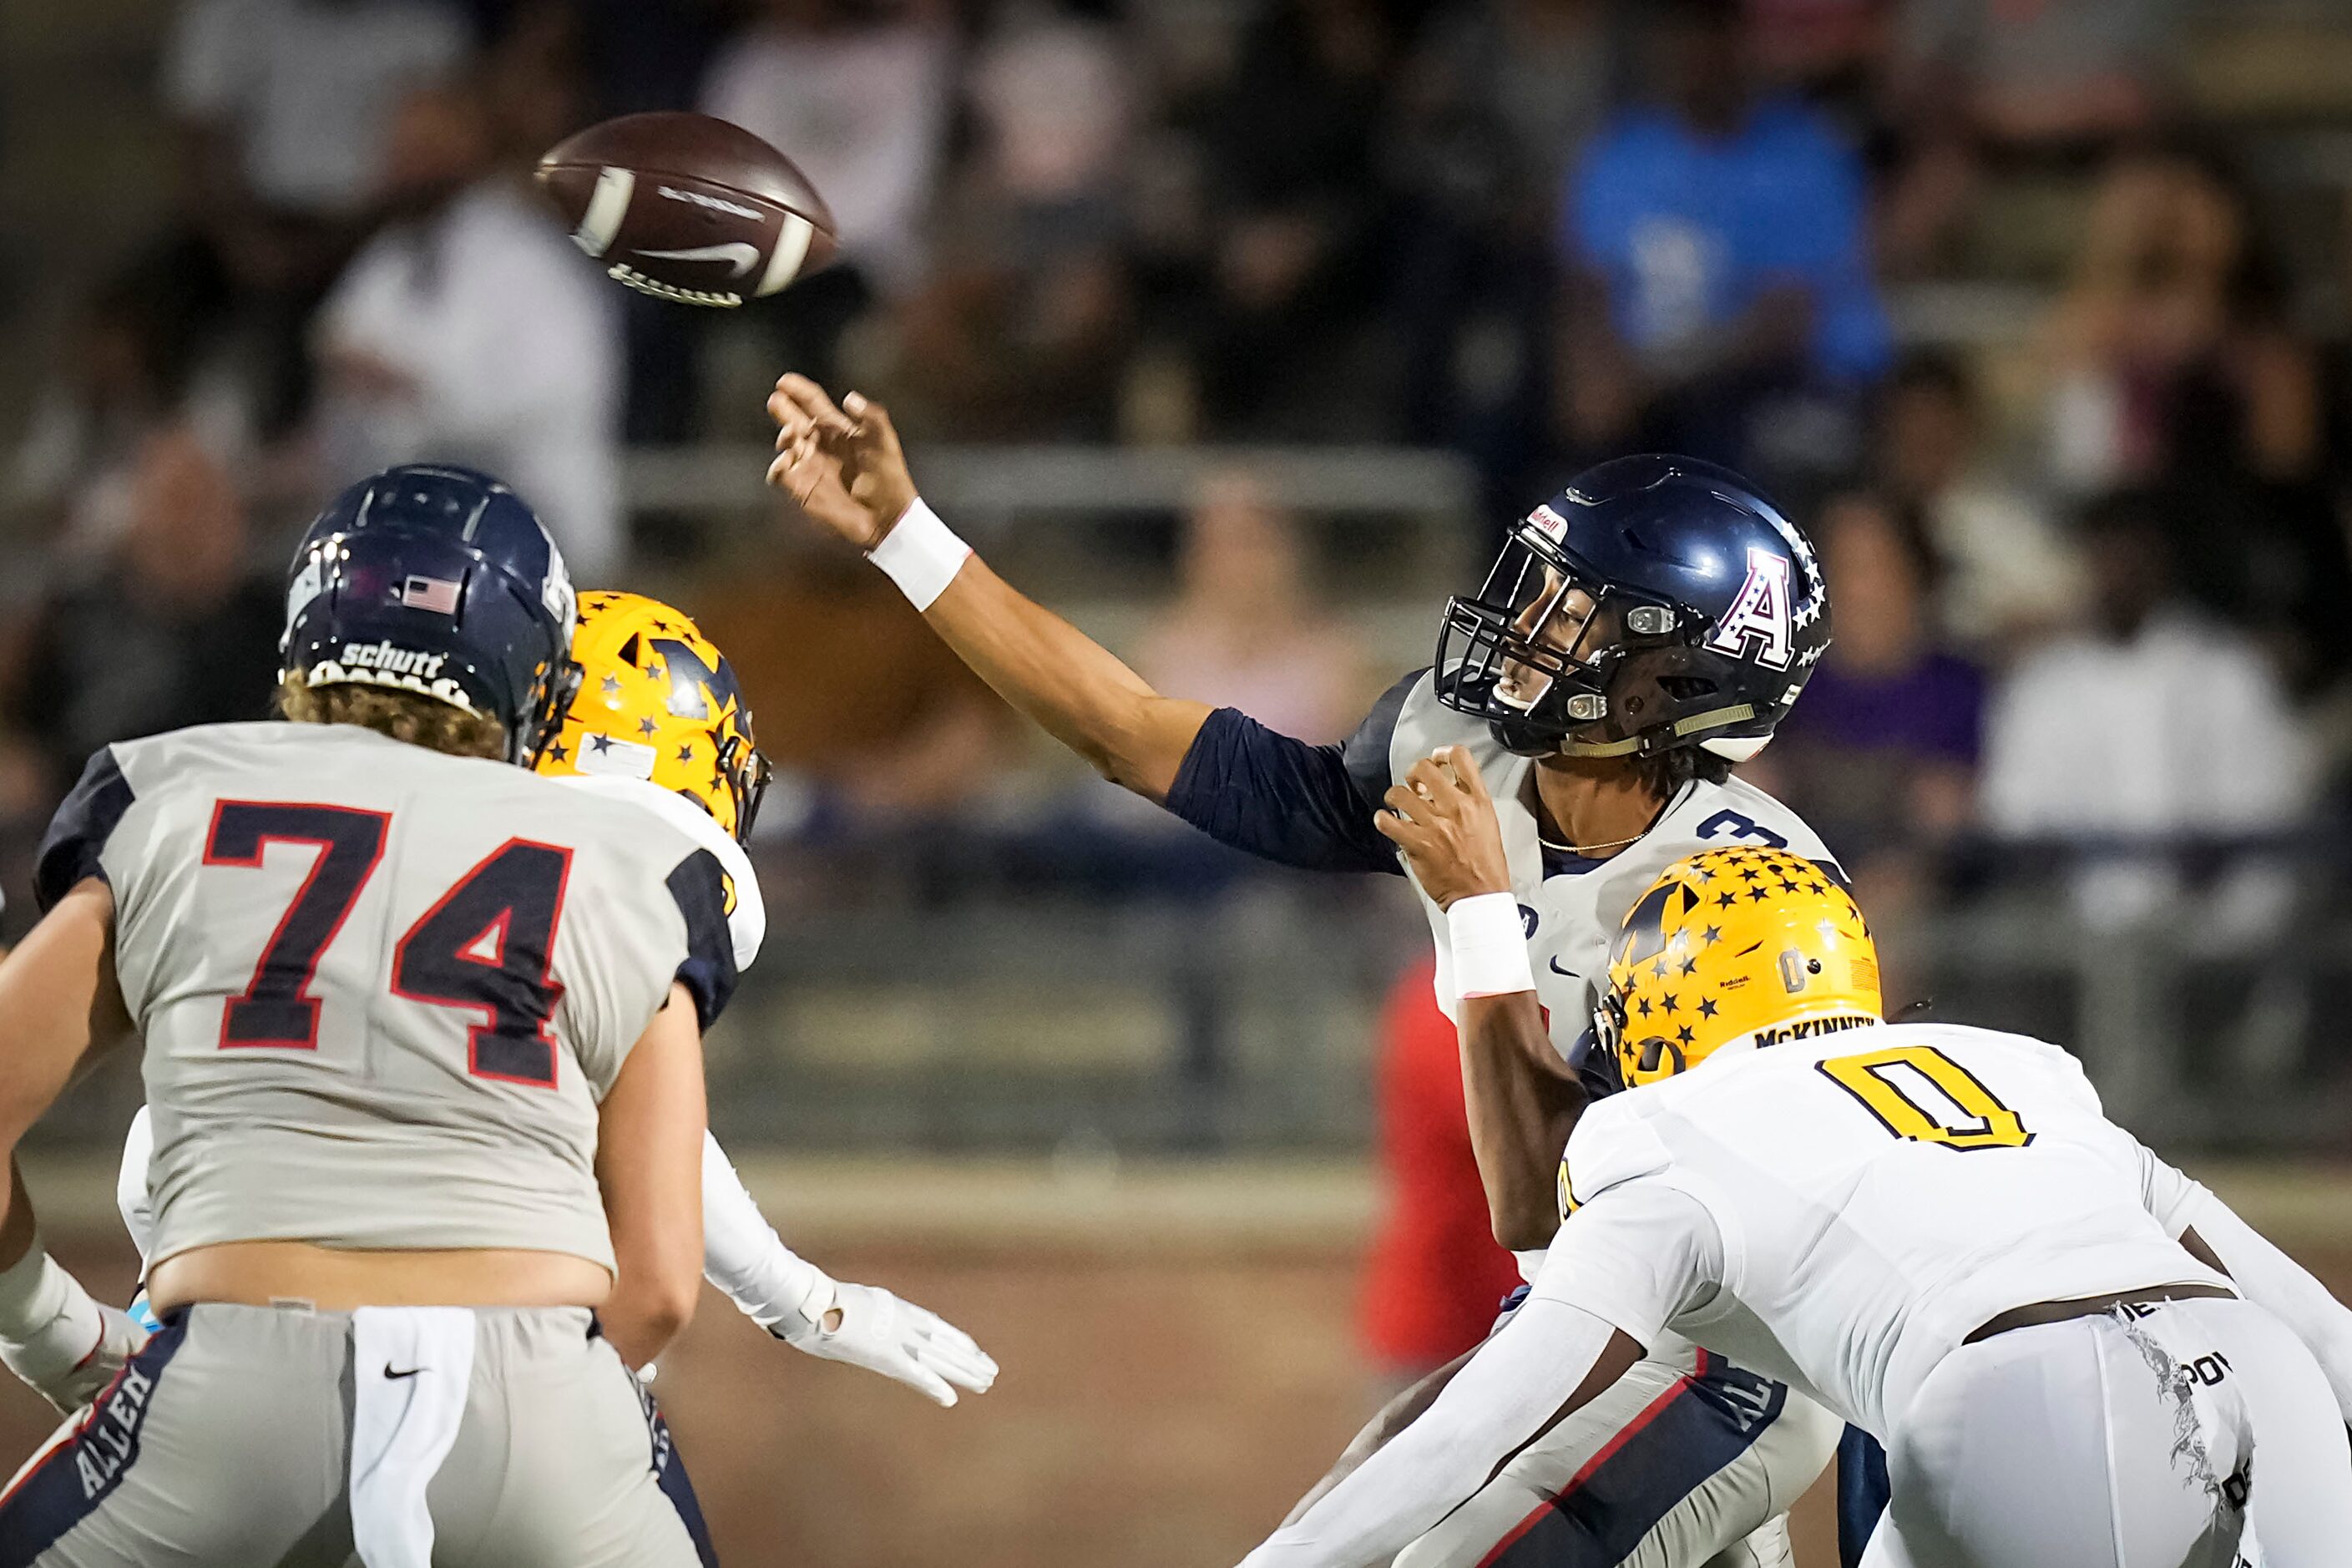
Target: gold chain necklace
x=1592, y=851
x=1589, y=851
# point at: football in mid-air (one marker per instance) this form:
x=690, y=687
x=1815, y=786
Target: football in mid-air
x=688, y=208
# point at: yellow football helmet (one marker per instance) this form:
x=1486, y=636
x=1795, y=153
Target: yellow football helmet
x=1728, y=944
x=658, y=701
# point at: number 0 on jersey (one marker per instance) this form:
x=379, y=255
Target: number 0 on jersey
x=1919, y=1093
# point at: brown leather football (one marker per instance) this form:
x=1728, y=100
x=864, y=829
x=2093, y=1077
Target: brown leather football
x=688, y=208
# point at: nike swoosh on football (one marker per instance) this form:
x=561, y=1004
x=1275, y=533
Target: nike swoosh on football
x=745, y=256
x=1556, y=969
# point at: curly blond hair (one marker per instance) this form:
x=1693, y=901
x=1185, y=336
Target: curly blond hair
x=402, y=715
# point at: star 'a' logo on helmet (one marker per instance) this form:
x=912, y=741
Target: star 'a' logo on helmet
x=1758, y=624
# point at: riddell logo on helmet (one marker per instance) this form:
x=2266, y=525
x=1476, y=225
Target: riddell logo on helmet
x=391, y=660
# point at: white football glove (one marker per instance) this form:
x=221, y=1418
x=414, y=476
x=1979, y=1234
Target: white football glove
x=807, y=1308
x=897, y=1339
x=56, y=1337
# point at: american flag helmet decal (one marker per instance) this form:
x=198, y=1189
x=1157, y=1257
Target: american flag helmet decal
x=438, y=595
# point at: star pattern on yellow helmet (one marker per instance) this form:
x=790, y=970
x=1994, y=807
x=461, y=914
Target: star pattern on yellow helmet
x=659, y=702
x=1729, y=944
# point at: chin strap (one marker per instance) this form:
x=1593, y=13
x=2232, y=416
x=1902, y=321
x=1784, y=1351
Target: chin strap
x=1683, y=729
x=1597, y=748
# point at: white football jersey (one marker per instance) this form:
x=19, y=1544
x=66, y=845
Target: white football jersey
x=1571, y=906
x=1841, y=1212
x=381, y=990
x=1314, y=806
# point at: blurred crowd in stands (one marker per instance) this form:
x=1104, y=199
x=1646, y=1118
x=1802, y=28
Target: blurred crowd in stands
x=2089, y=567
x=2053, y=359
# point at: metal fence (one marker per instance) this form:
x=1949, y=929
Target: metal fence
x=953, y=985
x=1242, y=1016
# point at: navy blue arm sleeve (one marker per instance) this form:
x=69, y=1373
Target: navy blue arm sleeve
x=1283, y=800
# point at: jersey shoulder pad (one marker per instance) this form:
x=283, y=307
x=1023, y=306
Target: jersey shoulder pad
x=1366, y=752
x=641, y=846
x=746, y=914
x=1416, y=723
x=79, y=831
x=113, y=780
x=698, y=885
x=1614, y=1144
x=2064, y=1068
x=1734, y=814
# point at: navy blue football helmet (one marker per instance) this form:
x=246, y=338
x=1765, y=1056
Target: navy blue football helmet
x=437, y=580
x=1656, y=603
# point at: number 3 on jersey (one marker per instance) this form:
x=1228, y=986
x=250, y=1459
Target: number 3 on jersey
x=1920, y=1094
x=485, y=946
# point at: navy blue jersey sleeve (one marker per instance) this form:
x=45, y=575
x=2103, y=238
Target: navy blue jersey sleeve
x=699, y=886
x=1284, y=800
x=78, y=832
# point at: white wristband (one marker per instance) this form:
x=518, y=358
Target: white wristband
x=921, y=554
x=1490, y=946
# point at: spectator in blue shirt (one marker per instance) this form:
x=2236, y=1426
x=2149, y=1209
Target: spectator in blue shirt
x=1717, y=258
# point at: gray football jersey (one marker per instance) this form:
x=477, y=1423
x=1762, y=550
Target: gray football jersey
x=1570, y=906
x=383, y=990
x=1314, y=806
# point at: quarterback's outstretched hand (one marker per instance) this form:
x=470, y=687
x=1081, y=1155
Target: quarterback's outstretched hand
x=869, y=1327
x=842, y=466
x=1444, y=823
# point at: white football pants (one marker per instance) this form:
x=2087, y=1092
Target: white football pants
x=2136, y=1439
